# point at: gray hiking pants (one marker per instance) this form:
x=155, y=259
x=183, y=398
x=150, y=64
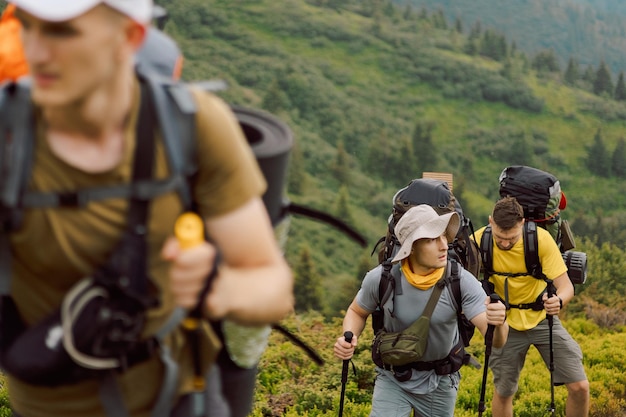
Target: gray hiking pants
x=390, y=400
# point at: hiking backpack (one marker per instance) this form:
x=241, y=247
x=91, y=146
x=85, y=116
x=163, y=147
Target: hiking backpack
x=540, y=195
x=437, y=194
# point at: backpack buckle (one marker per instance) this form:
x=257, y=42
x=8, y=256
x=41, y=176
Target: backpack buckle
x=71, y=199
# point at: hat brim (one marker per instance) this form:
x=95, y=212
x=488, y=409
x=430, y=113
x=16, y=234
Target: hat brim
x=56, y=11
x=448, y=223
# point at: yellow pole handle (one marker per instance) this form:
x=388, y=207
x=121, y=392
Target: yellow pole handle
x=189, y=230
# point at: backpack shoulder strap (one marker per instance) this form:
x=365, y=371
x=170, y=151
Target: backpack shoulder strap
x=466, y=327
x=454, y=279
x=16, y=150
x=531, y=250
x=388, y=286
x=486, y=252
x=17, y=141
x=176, y=110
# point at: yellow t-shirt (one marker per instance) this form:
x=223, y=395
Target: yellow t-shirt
x=524, y=289
x=56, y=248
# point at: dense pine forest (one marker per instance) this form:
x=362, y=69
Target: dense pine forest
x=587, y=31
x=376, y=93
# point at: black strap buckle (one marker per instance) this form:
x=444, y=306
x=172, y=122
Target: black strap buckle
x=71, y=199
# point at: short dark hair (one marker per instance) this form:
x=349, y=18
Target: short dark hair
x=507, y=213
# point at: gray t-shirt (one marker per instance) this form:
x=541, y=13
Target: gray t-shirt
x=408, y=304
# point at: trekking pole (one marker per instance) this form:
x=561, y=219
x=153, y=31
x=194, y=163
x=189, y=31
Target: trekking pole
x=344, y=373
x=189, y=230
x=488, y=344
x=551, y=291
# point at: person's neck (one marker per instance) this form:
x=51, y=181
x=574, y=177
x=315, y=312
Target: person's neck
x=419, y=269
x=97, y=115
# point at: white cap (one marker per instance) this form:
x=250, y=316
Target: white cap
x=61, y=10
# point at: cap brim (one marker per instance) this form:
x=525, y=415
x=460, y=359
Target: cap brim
x=55, y=11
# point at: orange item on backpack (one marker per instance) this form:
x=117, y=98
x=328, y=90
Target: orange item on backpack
x=12, y=60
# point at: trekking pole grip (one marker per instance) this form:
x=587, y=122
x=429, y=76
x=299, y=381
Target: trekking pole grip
x=493, y=298
x=344, y=374
x=551, y=290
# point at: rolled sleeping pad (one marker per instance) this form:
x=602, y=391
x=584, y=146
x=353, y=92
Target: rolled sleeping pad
x=271, y=141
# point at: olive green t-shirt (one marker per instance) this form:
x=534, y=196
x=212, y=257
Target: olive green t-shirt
x=57, y=247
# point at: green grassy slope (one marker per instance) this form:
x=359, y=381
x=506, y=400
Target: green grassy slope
x=364, y=78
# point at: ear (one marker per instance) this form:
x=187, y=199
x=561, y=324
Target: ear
x=135, y=34
x=490, y=221
x=131, y=37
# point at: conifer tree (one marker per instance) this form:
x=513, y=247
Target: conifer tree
x=618, y=161
x=408, y=12
x=472, y=46
x=439, y=20
x=296, y=180
x=572, y=73
x=341, y=165
x=620, y=88
x=602, y=83
x=507, y=70
x=389, y=9
x=426, y=154
x=520, y=151
x=342, y=209
x=546, y=61
x=589, y=75
x=493, y=46
x=598, y=159
x=458, y=25
x=476, y=30
x=307, y=284
x=378, y=153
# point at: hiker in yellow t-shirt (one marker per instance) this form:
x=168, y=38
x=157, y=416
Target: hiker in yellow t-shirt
x=529, y=307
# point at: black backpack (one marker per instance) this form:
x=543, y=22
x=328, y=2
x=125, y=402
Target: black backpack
x=437, y=194
x=540, y=195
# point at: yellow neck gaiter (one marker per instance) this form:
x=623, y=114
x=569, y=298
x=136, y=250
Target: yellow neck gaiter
x=422, y=282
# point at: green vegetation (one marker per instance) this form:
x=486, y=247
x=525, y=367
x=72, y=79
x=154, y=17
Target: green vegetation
x=587, y=30
x=290, y=384
x=376, y=95
x=363, y=88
